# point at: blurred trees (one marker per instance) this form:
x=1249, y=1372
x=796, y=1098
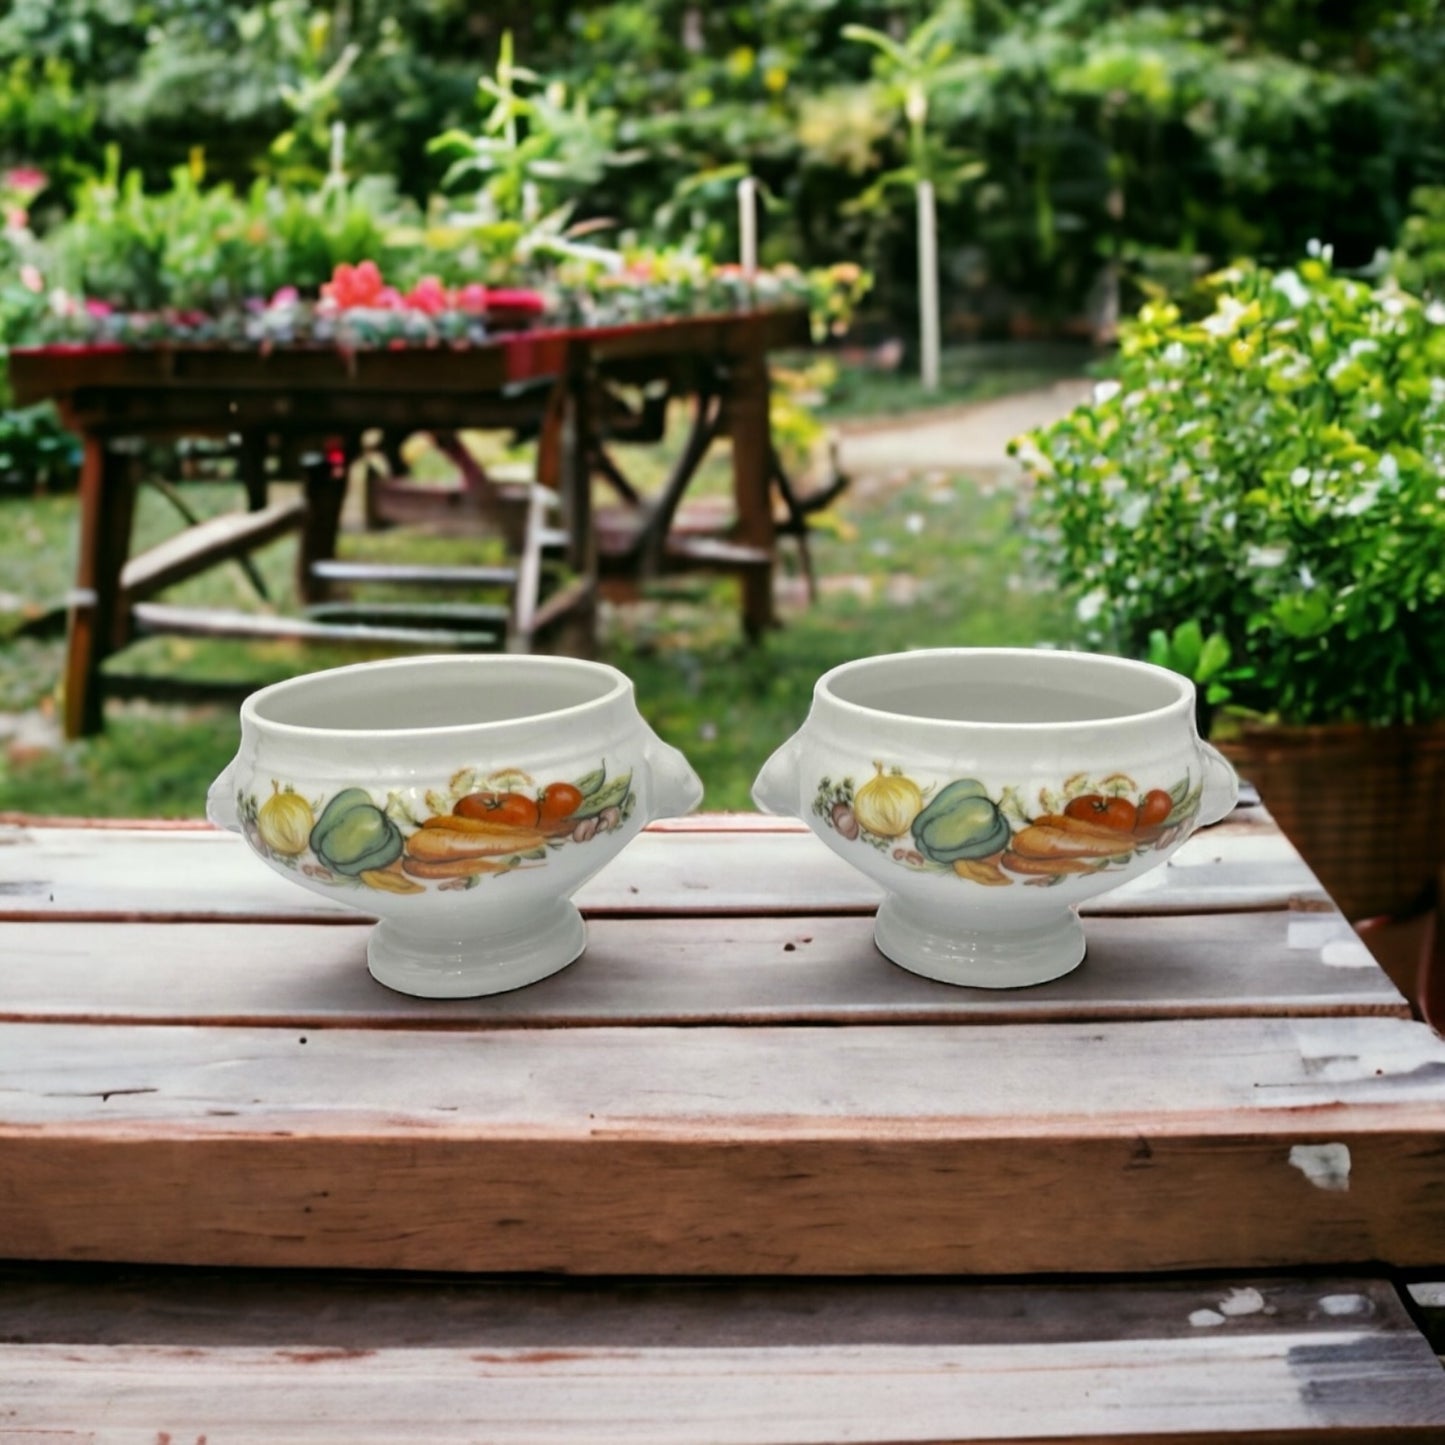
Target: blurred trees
x=1131, y=141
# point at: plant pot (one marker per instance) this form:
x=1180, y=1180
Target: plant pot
x=1362, y=804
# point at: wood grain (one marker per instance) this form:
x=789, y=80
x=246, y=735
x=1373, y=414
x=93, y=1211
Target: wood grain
x=89, y=873
x=717, y=970
x=899, y=1150
x=1242, y=1359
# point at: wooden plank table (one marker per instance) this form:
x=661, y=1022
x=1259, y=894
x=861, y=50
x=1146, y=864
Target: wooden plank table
x=732, y=1176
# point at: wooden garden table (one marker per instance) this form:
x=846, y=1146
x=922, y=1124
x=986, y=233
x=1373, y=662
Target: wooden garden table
x=730, y=1177
x=116, y=396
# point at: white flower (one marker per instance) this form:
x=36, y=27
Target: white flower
x=1132, y=512
x=1090, y=605
x=1289, y=285
x=1300, y=476
x=1435, y=313
x=1106, y=391
x=1226, y=318
x=1362, y=501
x=1265, y=556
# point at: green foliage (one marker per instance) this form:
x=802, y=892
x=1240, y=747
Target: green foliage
x=1270, y=474
x=1419, y=260
x=200, y=247
x=913, y=74
x=41, y=115
x=1133, y=136
x=537, y=148
x=34, y=451
x=1203, y=660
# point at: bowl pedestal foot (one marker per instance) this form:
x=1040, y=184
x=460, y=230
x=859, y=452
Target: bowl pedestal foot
x=455, y=964
x=950, y=952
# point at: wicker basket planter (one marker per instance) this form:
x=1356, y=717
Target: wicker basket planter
x=1364, y=805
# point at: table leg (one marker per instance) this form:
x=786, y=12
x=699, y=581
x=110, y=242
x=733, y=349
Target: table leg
x=251, y=466
x=107, y=506
x=324, y=475
x=747, y=412
x=576, y=632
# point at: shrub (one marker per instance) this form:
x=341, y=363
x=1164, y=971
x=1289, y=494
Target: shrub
x=1273, y=473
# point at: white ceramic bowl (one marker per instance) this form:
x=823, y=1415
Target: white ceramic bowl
x=462, y=799
x=990, y=791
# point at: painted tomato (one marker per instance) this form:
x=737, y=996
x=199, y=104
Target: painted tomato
x=1155, y=808
x=559, y=800
x=1117, y=813
x=515, y=810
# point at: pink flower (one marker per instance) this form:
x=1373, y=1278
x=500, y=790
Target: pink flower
x=428, y=296
x=31, y=279
x=26, y=180
x=472, y=298
x=359, y=285
x=17, y=218
x=99, y=310
x=286, y=296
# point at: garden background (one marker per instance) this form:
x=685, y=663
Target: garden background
x=185, y=157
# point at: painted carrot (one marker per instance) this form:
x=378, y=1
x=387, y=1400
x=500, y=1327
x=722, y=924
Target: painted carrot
x=436, y=844
x=1046, y=867
x=1045, y=840
x=451, y=867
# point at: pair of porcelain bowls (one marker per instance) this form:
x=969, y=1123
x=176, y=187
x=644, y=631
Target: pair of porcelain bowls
x=464, y=800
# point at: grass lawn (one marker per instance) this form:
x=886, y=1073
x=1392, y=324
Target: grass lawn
x=930, y=562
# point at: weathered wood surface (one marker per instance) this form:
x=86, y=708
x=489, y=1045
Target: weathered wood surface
x=1245, y=1143
x=1227, y=1084
x=1245, y=863
x=718, y=970
x=1243, y=1359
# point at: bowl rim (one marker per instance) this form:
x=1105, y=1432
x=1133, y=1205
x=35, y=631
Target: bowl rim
x=620, y=687
x=1183, y=702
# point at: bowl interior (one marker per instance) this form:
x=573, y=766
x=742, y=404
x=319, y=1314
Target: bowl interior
x=1013, y=688
x=423, y=694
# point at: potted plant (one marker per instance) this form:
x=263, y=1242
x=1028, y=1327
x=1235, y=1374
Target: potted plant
x=1259, y=499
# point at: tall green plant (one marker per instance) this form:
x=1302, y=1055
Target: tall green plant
x=538, y=146
x=913, y=73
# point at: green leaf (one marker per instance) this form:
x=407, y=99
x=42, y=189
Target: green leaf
x=592, y=782
x=1213, y=657
x=1186, y=645
x=886, y=44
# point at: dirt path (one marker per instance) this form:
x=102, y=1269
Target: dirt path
x=972, y=439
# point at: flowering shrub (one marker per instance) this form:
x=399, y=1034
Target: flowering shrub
x=1275, y=474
